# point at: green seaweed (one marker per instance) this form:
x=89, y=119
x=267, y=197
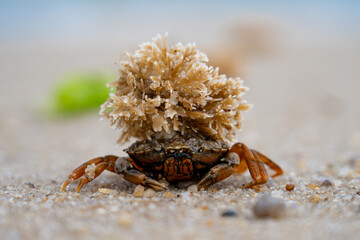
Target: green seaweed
x=79, y=93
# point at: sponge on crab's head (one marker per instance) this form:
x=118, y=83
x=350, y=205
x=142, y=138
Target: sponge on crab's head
x=166, y=90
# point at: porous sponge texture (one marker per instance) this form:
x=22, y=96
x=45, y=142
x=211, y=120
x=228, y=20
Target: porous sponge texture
x=162, y=90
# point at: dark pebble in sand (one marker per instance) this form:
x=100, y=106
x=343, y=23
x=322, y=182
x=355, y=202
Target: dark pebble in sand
x=269, y=207
x=326, y=183
x=29, y=184
x=228, y=213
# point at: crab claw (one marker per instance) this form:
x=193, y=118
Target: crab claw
x=154, y=184
x=69, y=180
x=216, y=174
x=99, y=165
x=137, y=177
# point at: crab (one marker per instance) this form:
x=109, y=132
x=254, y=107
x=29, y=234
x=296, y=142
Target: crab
x=179, y=158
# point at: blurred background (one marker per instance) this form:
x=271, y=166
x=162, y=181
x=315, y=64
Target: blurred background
x=300, y=60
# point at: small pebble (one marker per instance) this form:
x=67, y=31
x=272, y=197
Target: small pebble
x=29, y=184
x=267, y=206
x=228, y=213
x=169, y=195
x=290, y=187
x=139, y=191
x=326, y=183
x=315, y=198
x=105, y=190
x=149, y=193
x=313, y=186
x=125, y=220
x=193, y=188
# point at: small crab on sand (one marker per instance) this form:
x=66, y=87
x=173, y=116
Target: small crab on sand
x=183, y=114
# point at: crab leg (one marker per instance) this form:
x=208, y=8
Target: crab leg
x=221, y=171
x=125, y=167
x=120, y=165
x=269, y=163
x=101, y=163
x=136, y=177
x=255, y=162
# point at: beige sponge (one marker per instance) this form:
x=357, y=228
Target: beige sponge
x=165, y=90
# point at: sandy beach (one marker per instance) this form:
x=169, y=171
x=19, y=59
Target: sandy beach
x=305, y=117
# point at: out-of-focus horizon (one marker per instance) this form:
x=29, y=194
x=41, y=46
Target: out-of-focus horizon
x=104, y=30
x=86, y=23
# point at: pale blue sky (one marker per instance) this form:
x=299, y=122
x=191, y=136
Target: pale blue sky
x=78, y=20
